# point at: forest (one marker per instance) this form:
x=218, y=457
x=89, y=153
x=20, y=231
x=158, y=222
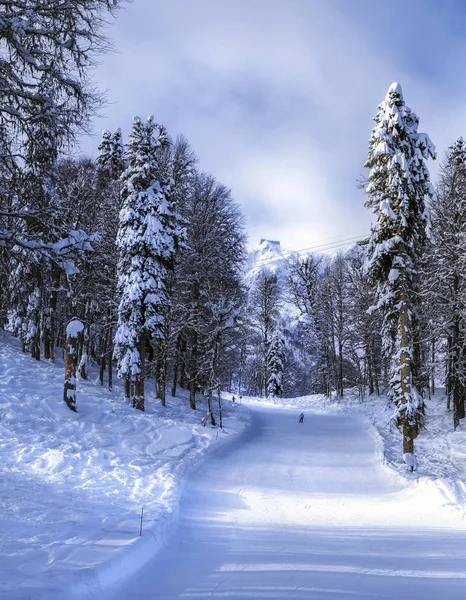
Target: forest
x=149, y=252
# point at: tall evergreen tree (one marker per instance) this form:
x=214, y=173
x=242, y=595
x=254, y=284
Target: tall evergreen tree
x=397, y=190
x=276, y=366
x=265, y=307
x=147, y=240
x=445, y=289
x=101, y=265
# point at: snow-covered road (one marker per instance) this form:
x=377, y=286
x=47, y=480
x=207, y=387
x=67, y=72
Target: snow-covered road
x=306, y=511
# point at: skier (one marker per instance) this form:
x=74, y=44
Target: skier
x=301, y=418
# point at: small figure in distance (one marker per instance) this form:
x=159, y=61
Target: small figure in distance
x=301, y=418
x=233, y=398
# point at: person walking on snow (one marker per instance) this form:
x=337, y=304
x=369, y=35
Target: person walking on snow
x=301, y=418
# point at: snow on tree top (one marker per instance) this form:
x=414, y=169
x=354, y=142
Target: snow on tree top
x=74, y=328
x=395, y=88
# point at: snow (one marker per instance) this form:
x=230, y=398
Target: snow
x=268, y=255
x=324, y=509
x=74, y=328
x=395, y=88
x=306, y=511
x=410, y=461
x=73, y=485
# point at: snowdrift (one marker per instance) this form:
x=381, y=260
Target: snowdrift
x=73, y=485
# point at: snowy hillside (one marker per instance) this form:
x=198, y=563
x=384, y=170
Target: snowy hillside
x=73, y=485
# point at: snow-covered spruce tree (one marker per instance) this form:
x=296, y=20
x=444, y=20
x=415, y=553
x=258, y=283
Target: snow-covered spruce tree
x=264, y=300
x=276, y=366
x=110, y=165
x=176, y=161
x=397, y=190
x=445, y=291
x=110, y=162
x=147, y=239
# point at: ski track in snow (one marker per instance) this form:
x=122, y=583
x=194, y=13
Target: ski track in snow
x=307, y=512
x=313, y=511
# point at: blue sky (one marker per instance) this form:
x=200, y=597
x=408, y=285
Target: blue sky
x=277, y=96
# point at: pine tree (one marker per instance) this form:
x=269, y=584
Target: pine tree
x=110, y=165
x=265, y=307
x=110, y=161
x=147, y=239
x=397, y=190
x=276, y=366
x=447, y=264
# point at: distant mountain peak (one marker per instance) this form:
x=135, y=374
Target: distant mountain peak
x=267, y=255
x=272, y=242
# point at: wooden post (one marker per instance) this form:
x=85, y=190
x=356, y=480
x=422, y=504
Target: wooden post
x=75, y=327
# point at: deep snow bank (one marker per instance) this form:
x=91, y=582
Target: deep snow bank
x=73, y=485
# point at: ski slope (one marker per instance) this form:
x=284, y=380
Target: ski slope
x=72, y=485
x=305, y=511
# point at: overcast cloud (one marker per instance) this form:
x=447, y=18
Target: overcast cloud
x=276, y=96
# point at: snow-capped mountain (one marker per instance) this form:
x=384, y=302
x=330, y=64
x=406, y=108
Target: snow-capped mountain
x=268, y=255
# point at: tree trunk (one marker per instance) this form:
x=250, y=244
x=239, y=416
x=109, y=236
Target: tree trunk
x=49, y=330
x=210, y=413
x=71, y=358
x=138, y=398
x=183, y=363
x=461, y=402
x=457, y=404
x=192, y=394
x=370, y=367
x=102, y=358
x=408, y=421
x=432, y=369
x=110, y=358
x=448, y=374
x=161, y=373
x=220, y=413
x=35, y=342
x=84, y=357
x=176, y=365
x=340, y=369
x=193, y=371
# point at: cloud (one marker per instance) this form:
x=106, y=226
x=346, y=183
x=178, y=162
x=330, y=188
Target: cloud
x=276, y=97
